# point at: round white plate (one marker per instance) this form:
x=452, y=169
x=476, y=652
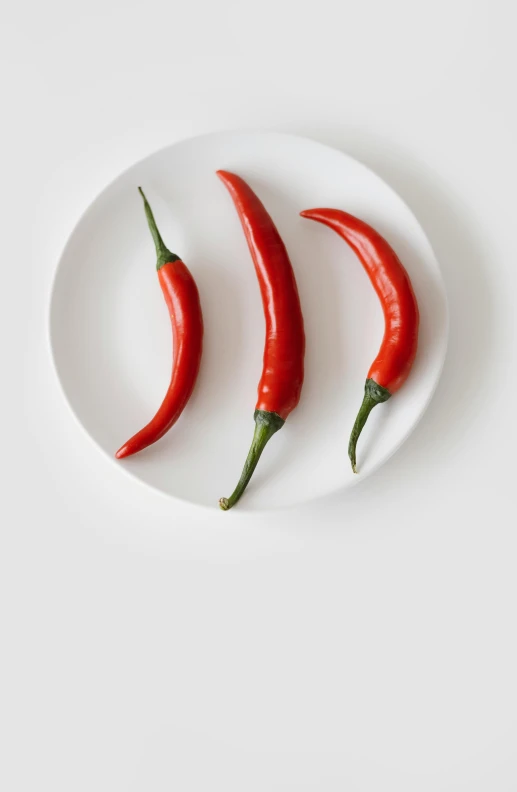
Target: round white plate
x=111, y=336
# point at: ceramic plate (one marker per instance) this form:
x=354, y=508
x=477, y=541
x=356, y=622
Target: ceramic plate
x=111, y=336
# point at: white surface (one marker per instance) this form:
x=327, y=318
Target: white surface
x=363, y=644
x=111, y=337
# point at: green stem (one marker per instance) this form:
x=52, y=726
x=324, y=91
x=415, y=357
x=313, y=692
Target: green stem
x=373, y=394
x=266, y=424
x=163, y=254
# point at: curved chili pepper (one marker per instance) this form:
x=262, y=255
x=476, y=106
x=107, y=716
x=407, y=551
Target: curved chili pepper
x=182, y=298
x=282, y=375
x=390, y=280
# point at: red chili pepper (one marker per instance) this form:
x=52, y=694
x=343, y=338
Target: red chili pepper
x=390, y=280
x=182, y=298
x=282, y=375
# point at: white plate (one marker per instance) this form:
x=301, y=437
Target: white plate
x=111, y=336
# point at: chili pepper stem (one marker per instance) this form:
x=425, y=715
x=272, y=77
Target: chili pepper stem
x=373, y=394
x=266, y=424
x=163, y=254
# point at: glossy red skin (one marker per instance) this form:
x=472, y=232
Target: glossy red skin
x=182, y=298
x=282, y=375
x=390, y=280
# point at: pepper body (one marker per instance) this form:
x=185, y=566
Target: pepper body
x=182, y=300
x=281, y=382
x=284, y=349
x=390, y=280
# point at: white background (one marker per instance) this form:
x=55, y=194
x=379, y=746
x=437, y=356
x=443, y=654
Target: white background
x=366, y=643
